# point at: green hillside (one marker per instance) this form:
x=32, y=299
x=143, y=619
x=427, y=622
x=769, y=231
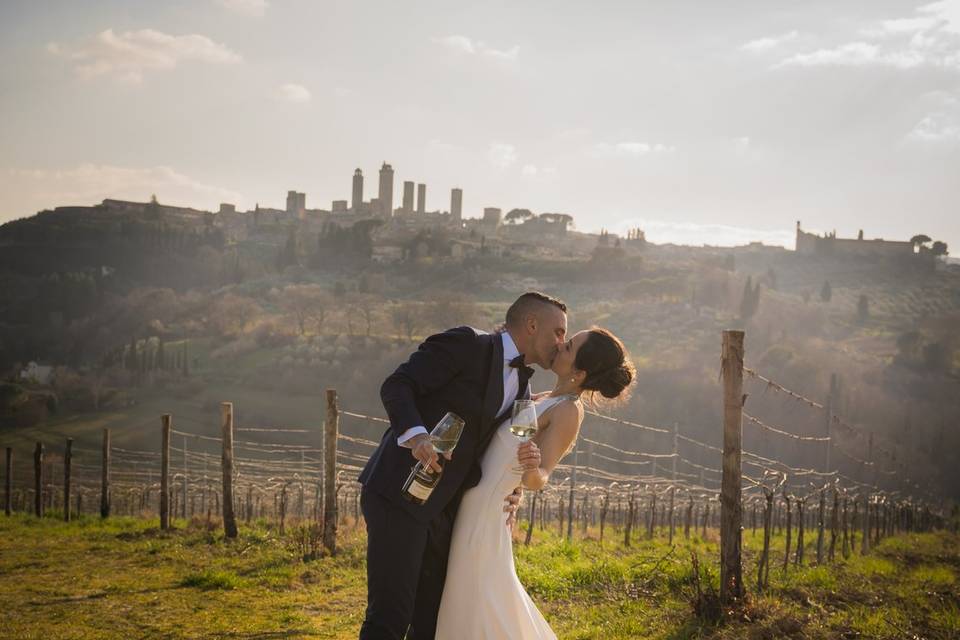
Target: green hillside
x=124, y=578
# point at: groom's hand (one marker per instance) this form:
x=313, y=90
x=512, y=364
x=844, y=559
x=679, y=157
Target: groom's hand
x=422, y=449
x=512, y=505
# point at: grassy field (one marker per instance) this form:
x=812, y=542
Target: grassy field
x=124, y=578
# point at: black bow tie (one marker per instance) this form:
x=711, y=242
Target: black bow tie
x=524, y=371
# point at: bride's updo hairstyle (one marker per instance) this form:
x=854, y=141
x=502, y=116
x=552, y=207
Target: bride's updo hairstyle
x=606, y=363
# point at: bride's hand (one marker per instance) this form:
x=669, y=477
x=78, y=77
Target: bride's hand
x=528, y=454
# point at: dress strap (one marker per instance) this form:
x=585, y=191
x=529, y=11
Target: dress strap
x=551, y=401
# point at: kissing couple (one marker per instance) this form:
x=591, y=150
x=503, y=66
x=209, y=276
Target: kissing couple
x=444, y=568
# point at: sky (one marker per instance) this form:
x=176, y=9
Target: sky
x=698, y=122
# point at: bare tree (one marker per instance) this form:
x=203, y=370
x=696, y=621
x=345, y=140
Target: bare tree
x=231, y=312
x=367, y=306
x=306, y=302
x=407, y=317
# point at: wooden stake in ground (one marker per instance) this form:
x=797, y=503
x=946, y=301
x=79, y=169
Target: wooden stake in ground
x=66, y=479
x=533, y=515
x=226, y=462
x=330, y=433
x=820, y=525
x=731, y=516
x=865, y=522
x=105, y=476
x=165, y=421
x=38, y=480
x=763, y=570
x=573, y=484
x=789, y=515
x=8, y=483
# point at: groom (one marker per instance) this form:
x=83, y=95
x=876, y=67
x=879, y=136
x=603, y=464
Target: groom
x=476, y=375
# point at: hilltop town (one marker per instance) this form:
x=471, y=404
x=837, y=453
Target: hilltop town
x=374, y=231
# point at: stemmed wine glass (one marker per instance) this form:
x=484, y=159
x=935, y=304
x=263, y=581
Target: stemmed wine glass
x=446, y=434
x=523, y=424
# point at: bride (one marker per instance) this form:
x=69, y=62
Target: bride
x=482, y=596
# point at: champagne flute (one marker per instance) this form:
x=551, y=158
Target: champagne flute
x=446, y=434
x=523, y=423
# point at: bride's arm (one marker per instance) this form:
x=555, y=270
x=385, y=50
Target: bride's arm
x=555, y=441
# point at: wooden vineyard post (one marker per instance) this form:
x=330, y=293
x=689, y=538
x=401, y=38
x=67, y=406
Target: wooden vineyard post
x=731, y=516
x=672, y=492
x=66, y=479
x=573, y=484
x=186, y=491
x=865, y=523
x=820, y=525
x=834, y=525
x=652, y=513
x=8, y=482
x=763, y=571
x=165, y=421
x=38, y=480
x=798, y=558
x=789, y=516
x=331, y=429
x=828, y=411
x=226, y=463
x=604, y=506
x=673, y=460
x=533, y=514
x=105, y=476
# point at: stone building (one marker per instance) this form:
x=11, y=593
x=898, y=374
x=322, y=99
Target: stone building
x=830, y=245
x=456, y=205
x=386, y=190
x=357, y=194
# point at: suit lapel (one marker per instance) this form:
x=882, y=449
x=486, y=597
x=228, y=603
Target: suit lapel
x=493, y=396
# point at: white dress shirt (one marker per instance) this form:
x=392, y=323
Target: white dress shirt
x=511, y=386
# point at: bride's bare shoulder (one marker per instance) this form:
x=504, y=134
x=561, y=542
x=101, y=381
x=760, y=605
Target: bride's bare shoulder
x=568, y=412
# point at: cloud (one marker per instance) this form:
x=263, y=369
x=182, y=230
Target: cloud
x=462, y=45
x=693, y=233
x=851, y=54
x=296, y=93
x=502, y=155
x=628, y=149
x=928, y=40
x=342, y=92
x=936, y=128
x=765, y=44
x=129, y=55
x=255, y=8
x=30, y=190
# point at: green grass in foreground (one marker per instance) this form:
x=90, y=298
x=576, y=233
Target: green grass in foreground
x=124, y=578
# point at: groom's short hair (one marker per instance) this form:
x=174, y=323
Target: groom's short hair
x=528, y=303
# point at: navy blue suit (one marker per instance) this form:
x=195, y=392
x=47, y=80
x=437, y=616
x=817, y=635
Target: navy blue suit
x=459, y=370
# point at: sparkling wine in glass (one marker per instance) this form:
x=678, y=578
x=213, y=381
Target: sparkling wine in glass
x=523, y=424
x=445, y=435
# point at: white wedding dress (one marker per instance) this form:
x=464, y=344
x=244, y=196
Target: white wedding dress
x=482, y=596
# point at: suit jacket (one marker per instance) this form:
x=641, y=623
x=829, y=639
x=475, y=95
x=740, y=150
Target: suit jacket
x=459, y=370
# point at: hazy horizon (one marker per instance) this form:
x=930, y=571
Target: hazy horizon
x=700, y=124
